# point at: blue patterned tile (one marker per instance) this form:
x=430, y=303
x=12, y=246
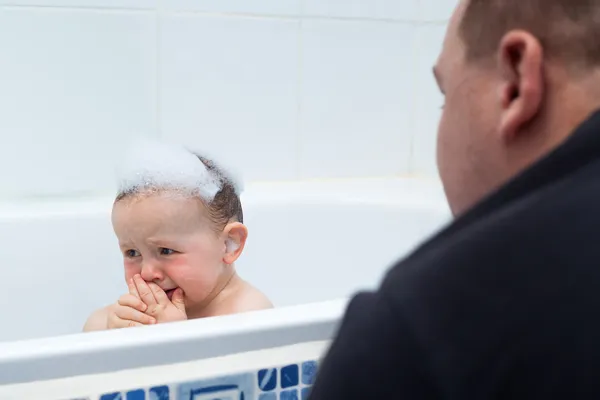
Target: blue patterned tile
x=267, y=396
x=305, y=393
x=138, y=394
x=111, y=396
x=267, y=379
x=289, y=395
x=309, y=371
x=289, y=376
x=159, y=393
x=227, y=387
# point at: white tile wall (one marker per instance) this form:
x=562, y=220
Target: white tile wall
x=135, y=4
x=372, y=9
x=229, y=86
x=283, y=89
x=436, y=10
x=428, y=99
x=264, y=7
x=74, y=86
x=356, y=98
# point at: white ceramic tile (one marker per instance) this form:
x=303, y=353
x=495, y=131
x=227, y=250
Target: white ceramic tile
x=428, y=99
x=135, y=4
x=75, y=86
x=269, y=7
x=356, y=99
x=437, y=10
x=229, y=87
x=380, y=9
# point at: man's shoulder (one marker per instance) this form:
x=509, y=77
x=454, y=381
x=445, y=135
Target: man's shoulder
x=469, y=289
x=552, y=228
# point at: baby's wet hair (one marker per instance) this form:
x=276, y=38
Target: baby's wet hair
x=226, y=206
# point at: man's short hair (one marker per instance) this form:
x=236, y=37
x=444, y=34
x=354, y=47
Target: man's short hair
x=567, y=29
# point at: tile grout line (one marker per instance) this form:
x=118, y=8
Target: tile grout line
x=91, y=9
x=159, y=7
x=302, y=16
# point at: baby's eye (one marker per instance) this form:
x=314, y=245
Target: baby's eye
x=132, y=253
x=166, y=252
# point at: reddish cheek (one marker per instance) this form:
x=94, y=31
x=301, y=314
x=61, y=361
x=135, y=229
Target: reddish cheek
x=177, y=267
x=131, y=269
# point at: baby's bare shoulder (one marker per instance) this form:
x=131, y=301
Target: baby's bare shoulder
x=251, y=299
x=248, y=298
x=98, y=321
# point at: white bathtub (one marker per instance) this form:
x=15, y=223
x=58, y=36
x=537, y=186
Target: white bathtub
x=309, y=242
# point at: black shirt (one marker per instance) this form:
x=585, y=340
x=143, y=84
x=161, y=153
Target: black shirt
x=502, y=304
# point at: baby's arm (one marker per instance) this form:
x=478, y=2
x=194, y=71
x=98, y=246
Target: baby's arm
x=127, y=312
x=98, y=321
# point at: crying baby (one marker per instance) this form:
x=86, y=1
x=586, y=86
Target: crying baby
x=179, y=222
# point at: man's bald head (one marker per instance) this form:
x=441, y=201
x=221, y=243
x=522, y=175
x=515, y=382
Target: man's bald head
x=518, y=76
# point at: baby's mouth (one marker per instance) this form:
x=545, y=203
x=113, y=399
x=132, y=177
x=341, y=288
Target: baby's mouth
x=170, y=293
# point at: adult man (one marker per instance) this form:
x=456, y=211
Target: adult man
x=505, y=302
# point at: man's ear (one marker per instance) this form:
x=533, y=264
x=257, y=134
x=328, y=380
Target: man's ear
x=235, y=234
x=520, y=61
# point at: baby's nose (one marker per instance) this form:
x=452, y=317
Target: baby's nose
x=151, y=272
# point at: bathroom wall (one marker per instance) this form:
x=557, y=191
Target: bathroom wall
x=285, y=90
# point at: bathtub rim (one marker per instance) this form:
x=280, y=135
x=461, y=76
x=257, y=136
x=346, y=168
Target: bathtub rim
x=107, y=351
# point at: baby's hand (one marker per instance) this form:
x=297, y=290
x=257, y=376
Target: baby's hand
x=158, y=304
x=128, y=312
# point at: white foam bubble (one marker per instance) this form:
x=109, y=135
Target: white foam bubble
x=232, y=174
x=153, y=164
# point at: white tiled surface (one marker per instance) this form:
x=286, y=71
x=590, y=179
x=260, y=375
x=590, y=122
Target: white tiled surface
x=282, y=89
x=356, y=98
x=268, y=7
x=376, y=9
x=428, y=99
x=236, y=96
x=74, y=86
x=135, y=4
x=436, y=10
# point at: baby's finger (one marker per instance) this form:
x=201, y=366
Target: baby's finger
x=115, y=322
x=129, y=300
x=159, y=294
x=143, y=289
x=131, y=314
x=132, y=289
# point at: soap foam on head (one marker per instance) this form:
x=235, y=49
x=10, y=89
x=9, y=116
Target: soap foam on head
x=231, y=174
x=152, y=165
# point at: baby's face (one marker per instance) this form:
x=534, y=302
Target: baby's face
x=167, y=240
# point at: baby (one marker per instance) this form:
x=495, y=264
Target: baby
x=179, y=222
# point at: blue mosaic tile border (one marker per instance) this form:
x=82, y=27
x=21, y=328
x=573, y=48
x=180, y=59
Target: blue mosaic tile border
x=288, y=382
